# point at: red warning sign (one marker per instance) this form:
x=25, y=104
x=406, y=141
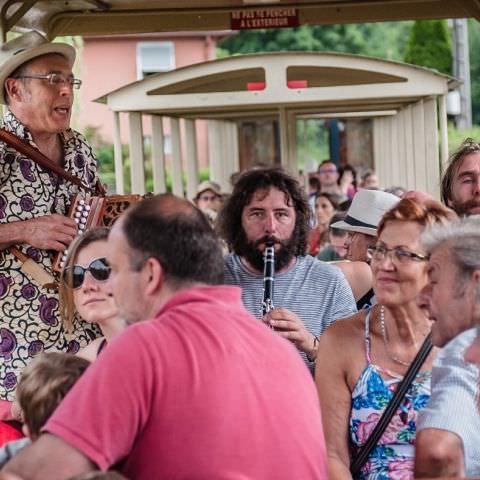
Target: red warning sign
x=264, y=18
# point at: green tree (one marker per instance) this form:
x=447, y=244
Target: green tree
x=376, y=39
x=429, y=45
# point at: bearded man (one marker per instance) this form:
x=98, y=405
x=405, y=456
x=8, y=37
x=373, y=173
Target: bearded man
x=269, y=206
x=461, y=180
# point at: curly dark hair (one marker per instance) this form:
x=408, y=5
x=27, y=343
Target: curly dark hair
x=229, y=221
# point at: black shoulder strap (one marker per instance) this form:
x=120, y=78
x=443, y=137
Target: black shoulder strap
x=365, y=300
x=404, y=385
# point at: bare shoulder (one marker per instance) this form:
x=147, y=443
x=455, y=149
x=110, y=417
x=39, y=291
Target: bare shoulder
x=347, y=326
x=341, y=351
x=358, y=275
x=353, y=267
x=344, y=332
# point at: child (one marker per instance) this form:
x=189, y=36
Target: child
x=44, y=384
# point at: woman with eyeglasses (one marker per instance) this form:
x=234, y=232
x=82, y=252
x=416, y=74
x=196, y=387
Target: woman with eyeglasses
x=363, y=358
x=84, y=289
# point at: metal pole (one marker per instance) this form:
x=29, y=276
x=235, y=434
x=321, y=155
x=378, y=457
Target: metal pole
x=461, y=70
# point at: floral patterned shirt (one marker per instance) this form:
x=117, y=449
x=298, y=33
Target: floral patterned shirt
x=393, y=457
x=29, y=318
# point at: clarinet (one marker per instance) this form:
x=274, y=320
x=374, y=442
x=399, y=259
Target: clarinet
x=268, y=274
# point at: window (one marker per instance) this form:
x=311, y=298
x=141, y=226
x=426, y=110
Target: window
x=154, y=57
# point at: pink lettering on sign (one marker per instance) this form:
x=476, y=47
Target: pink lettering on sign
x=264, y=18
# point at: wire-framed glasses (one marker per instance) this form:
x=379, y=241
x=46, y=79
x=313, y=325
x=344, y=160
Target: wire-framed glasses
x=56, y=79
x=397, y=254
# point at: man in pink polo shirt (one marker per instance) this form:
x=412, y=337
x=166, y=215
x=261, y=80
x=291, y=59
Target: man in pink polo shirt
x=201, y=390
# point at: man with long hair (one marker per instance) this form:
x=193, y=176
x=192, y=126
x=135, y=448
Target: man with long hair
x=461, y=180
x=268, y=206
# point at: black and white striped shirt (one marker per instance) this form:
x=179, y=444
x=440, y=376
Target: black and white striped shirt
x=315, y=291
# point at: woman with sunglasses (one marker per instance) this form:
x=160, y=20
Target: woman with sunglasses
x=84, y=289
x=363, y=358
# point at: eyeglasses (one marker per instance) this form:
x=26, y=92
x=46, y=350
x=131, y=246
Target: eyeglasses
x=56, y=79
x=74, y=276
x=208, y=198
x=327, y=170
x=379, y=252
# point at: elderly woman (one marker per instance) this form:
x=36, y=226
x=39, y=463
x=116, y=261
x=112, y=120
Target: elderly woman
x=362, y=359
x=84, y=289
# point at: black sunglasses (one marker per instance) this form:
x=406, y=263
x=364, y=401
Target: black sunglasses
x=74, y=276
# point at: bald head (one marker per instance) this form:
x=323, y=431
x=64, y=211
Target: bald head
x=167, y=205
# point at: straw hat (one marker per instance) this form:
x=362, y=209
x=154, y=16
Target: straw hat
x=366, y=211
x=24, y=48
x=209, y=185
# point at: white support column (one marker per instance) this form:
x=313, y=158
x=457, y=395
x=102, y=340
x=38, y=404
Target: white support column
x=236, y=149
x=283, y=130
x=191, y=158
x=381, y=160
x=177, y=184
x=409, y=150
x=117, y=155
x=223, y=152
x=136, y=152
x=442, y=114
x=377, y=159
x=231, y=159
x=215, y=150
x=418, y=116
x=394, y=173
x=226, y=149
x=402, y=178
x=158, y=155
x=432, y=158
x=292, y=144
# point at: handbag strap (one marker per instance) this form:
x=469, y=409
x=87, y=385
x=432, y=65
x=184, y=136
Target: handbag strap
x=394, y=403
x=38, y=157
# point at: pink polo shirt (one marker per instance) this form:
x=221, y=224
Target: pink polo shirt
x=202, y=391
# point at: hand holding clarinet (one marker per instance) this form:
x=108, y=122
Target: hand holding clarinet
x=286, y=323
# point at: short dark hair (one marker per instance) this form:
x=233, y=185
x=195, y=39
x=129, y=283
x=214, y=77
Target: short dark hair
x=314, y=182
x=178, y=235
x=468, y=146
x=333, y=198
x=229, y=221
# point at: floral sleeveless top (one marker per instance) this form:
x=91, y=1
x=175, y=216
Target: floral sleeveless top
x=393, y=456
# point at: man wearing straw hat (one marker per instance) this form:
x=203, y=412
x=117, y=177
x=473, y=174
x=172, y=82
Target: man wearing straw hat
x=37, y=88
x=361, y=222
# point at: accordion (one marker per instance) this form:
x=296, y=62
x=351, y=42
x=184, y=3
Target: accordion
x=90, y=211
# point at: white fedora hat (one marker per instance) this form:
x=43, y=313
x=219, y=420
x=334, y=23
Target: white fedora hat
x=366, y=211
x=26, y=47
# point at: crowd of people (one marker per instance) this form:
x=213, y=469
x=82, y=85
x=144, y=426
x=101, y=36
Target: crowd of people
x=155, y=357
